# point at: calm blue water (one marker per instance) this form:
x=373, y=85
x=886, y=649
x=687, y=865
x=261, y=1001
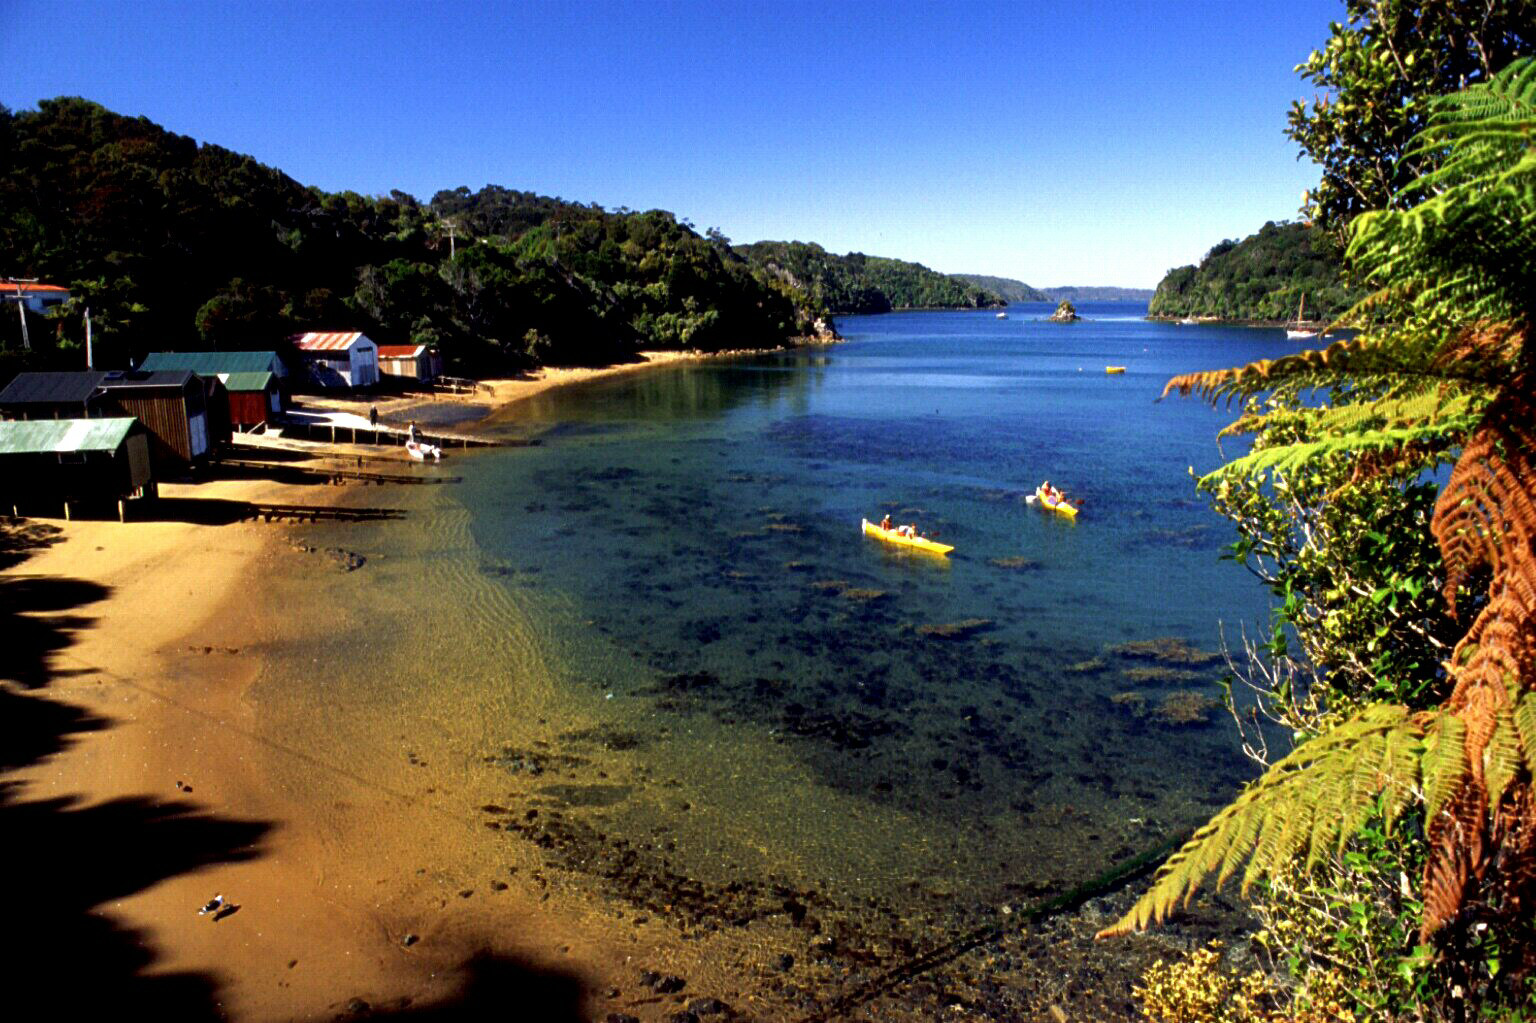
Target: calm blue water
x=865, y=719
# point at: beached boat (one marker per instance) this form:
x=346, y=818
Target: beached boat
x=1059, y=507
x=421, y=451
x=1114, y=369
x=915, y=542
x=1299, y=332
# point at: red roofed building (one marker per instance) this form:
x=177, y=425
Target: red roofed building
x=339, y=359
x=37, y=297
x=417, y=362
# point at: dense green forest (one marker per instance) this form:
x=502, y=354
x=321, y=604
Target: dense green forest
x=1262, y=277
x=1010, y=289
x=175, y=244
x=857, y=283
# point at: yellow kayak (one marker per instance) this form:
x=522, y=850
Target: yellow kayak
x=918, y=542
x=1114, y=369
x=1059, y=507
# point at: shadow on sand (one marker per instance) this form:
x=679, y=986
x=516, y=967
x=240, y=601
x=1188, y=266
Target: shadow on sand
x=62, y=860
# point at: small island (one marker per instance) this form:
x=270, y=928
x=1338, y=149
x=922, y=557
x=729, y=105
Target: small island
x=1065, y=313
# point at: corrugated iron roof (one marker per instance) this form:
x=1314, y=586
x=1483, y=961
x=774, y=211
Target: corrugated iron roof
x=172, y=378
x=211, y=363
x=51, y=388
x=401, y=351
x=332, y=342
x=9, y=287
x=53, y=436
x=246, y=381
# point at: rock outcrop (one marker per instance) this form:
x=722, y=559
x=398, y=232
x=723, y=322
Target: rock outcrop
x=1065, y=313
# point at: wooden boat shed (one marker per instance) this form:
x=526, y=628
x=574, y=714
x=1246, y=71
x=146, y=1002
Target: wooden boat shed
x=252, y=380
x=415, y=362
x=51, y=395
x=173, y=405
x=53, y=463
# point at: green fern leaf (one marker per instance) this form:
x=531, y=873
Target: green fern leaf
x=1501, y=758
x=1302, y=802
x=1444, y=764
x=1525, y=725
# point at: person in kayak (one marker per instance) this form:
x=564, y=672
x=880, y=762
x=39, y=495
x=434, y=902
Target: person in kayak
x=909, y=530
x=885, y=523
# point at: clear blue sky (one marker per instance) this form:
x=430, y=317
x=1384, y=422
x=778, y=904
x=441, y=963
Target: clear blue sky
x=1056, y=142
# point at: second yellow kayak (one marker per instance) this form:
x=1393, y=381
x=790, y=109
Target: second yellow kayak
x=1059, y=507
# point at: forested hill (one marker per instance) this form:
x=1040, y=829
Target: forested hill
x=857, y=283
x=1098, y=293
x=176, y=244
x=1262, y=277
x=1010, y=289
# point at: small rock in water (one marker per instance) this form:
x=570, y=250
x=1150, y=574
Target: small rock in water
x=707, y=1007
x=786, y=962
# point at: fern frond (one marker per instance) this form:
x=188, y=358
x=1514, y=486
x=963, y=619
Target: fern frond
x=1445, y=762
x=1501, y=758
x=1300, y=803
x=1525, y=726
x=1288, y=458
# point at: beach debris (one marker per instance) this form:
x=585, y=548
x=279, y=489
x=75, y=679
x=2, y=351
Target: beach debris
x=182, y=786
x=214, y=905
x=409, y=940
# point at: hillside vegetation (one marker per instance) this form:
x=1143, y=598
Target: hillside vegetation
x=176, y=244
x=1010, y=289
x=1262, y=277
x=857, y=283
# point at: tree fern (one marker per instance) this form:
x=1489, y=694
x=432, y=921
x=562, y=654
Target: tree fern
x=1455, y=288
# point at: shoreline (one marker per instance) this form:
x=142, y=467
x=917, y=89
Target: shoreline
x=338, y=897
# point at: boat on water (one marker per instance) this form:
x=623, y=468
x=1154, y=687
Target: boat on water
x=1114, y=369
x=891, y=536
x=421, y=451
x=1002, y=316
x=1188, y=321
x=1298, y=332
x=1040, y=499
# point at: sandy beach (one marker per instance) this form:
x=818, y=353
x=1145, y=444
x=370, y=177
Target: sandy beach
x=147, y=647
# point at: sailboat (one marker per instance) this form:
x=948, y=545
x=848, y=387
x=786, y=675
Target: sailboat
x=1300, y=333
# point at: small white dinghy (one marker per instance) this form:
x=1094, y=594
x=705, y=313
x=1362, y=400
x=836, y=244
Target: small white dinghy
x=421, y=451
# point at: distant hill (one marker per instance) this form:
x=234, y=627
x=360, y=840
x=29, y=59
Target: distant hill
x=1261, y=278
x=1090, y=293
x=1018, y=291
x=857, y=283
x=1010, y=289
